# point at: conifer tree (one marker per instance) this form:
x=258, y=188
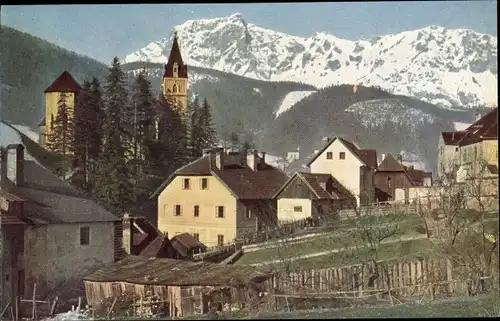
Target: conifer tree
x=80, y=144
x=113, y=185
x=144, y=104
x=196, y=128
x=206, y=126
x=96, y=119
x=61, y=136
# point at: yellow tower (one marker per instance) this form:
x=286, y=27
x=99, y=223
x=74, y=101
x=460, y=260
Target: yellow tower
x=65, y=85
x=175, y=79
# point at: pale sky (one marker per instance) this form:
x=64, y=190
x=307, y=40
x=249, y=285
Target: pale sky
x=104, y=31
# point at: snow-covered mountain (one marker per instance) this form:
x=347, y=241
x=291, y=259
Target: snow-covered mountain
x=449, y=67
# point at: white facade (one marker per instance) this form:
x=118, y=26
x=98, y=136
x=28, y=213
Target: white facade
x=294, y=209
x=347, y=170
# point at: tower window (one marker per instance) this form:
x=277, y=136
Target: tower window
x=176, y=70
x=175, y=88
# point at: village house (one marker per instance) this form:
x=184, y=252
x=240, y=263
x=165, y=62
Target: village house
x=310, y=195
x=219, y=197
x=52, y=233
x=391, y=174
x=65, y=86
x=471, y=152
x=352, y=166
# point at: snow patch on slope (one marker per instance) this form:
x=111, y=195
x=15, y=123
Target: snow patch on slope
x=291, y=99
x=378, y=112
x=69, y=316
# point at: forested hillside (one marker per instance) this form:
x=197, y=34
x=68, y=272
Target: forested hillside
x=28, y=66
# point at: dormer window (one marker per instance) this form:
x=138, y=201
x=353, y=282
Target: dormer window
x=176, y=69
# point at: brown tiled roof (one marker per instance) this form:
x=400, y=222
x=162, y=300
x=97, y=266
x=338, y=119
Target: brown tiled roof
x=160, y=247
x=64, y=83
x=185, y=242
x=175, y=57
x=390, y=164
x=314, y=180
x=237, y=176
x=452, y=138
x=138, y=238
x=416, y=175
x=159, y=271
x=484, y=127
x=366, y=156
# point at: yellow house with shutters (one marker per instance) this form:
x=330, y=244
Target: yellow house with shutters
x=219, y=197
x=66, y=85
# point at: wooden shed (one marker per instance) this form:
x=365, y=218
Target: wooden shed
x=188, y=287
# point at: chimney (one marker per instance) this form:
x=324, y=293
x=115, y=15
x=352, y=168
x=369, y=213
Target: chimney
x=128, y=235
x=219, y=158
x=399, y=158
x=15, y=158
x=262, y=159
x=3, y=163
x=252, y=160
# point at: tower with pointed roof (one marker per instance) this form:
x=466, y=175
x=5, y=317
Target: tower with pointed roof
x=66, y=85
x=175, y=79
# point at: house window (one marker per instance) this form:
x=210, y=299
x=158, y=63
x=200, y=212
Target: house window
x=248, y=213
x=175, y=89
x=196, y=210
x=204, y=183
x=297, y=208
x=329, y=155
x=220, y=211
x=389, y=181
x=341, y=155
x=177, y=210
x=196, y=236
x=220, y=240
x=456, y=149
x=186, y=183
x=84, y=235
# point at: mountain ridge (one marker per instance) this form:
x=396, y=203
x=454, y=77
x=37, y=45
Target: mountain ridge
x=449, y=67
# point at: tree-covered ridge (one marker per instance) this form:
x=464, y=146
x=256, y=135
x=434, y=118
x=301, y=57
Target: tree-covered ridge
x=29, y=66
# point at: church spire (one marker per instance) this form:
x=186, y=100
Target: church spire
x=175, y=67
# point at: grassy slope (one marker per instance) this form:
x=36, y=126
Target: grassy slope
x=337, y=239
x=29, y=65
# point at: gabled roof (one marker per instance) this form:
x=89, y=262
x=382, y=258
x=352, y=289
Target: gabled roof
x=242, y=181
x=366, y=156
x=159, y=247
x=390, y=164
x=483, y=128
x=175, y=57
x=64, y=83
x=314, y=182
x=185, y=242
x=452, y=138
x=49, y=199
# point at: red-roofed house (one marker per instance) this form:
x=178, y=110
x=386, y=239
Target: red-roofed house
x=219, y=197
x=352, y=166
x=65, y=86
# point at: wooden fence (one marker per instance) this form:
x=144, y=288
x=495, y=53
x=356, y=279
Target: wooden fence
x=394, y=208
x=409, y=278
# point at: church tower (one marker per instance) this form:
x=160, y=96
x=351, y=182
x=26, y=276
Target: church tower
x=175, y=79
